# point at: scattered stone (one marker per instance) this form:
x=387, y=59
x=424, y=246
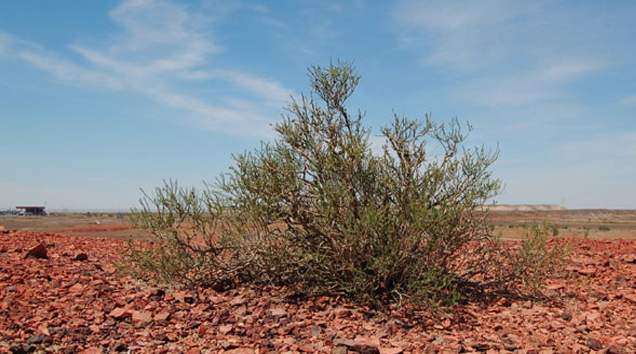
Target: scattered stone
x=225, y=329
x=22, y=349
x=588, y=271
x=358, y=346
x=340, y=350
x=120, y=313
x=630, y=297
x=38, y=251
x=594, y=344
x=94, y=328
x=87, y=309
x=141, y=317
x=278, y=312
x=38, y=339
x=629, y=258
x=92, y=350
x=342, y=312
x=162, y=316
x=76, y=288
x=240, y=351
x=117, y=346
x=616, y=349
x=81, y=257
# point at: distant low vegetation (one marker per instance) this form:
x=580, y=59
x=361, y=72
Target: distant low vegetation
x=315, y=210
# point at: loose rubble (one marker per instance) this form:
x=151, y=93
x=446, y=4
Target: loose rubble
x=73, y=301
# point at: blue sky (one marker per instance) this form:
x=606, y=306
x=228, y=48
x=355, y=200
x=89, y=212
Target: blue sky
x=101, y=98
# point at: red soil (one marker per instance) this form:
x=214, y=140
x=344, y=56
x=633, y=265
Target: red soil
x=65, y=303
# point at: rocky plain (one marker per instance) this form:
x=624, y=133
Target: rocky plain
x=61, y=292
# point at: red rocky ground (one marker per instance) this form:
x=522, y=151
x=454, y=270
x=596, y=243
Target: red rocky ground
x=74, y=302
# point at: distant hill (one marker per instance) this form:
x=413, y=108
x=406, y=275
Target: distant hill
x=525, y=207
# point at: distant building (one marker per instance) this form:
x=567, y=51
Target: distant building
x=32, y=210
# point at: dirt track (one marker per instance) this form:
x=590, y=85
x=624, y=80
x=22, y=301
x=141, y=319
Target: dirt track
x=584, y=223
x=512, y=224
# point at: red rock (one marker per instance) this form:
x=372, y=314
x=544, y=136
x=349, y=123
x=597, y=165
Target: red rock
x=601, y=306
x=76, y=288
x=358, y=346
x=141, y=317
x=81, y=257
x=340, y=350
x=629, y=258
x=162, y=316
x=238, y=301
x=240, y=351
x=179, y=296
x=92, y=350
x=43, y=329
x=94, y=328
x=225, y=329
x=306, y=349
x=630, y=297
x=38, y=251
x=278, y=312
x=342, y=312
x=594, y=344
x=589, y=271
x=556, y=286
x=120, y=313
x=616, y=349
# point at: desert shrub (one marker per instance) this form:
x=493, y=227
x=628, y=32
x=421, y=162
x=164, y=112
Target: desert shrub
x=317, y=211
x=539, y=257
x=604, y=228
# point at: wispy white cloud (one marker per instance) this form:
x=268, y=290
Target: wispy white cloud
x=67, y=71
x=272, y=90
x=5, y=43
x=161, y=46
x=456, y=16
x=616, y=150
x=503, y=52
x=315, y=27
x=464, y=36
x=629, y=99
x=545, y=83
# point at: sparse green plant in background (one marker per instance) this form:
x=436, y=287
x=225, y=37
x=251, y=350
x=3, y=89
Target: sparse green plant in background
x=190, y=245
x=317, y=211
x=555, y=230
x=540, y=256
x=604, y=228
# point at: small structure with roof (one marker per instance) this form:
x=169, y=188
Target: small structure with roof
x=32, y=210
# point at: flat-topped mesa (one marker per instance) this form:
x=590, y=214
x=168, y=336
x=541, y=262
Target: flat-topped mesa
x=525, y=207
